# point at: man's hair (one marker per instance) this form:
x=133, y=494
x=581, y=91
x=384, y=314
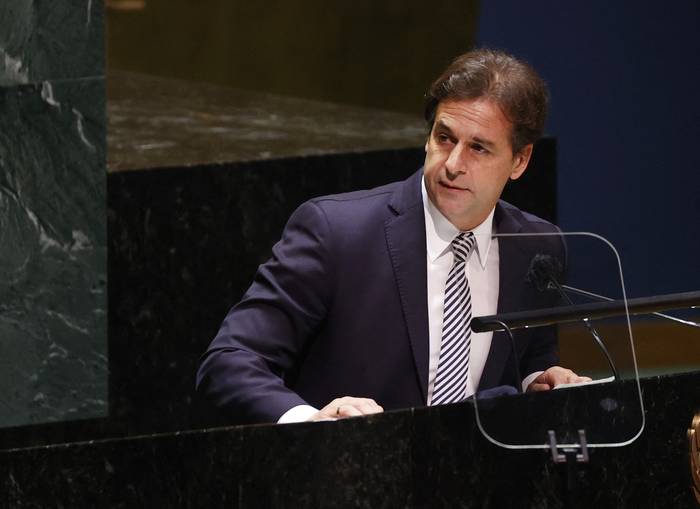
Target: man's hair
x=513, y=85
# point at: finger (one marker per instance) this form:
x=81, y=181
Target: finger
x=563, y=376
x=348, y=406
x=334, y=405
x=365, y=405
x=321, y=416
x=347, y=411
x=356, y=401
x=538, y=387
x=372, y=406
x=574, y=378
x=330, y=411
x=325, y=414
x=369, y=407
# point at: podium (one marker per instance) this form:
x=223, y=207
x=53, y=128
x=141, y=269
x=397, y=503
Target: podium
x=424, y=457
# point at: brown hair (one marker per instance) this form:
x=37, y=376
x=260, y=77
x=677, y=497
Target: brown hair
x=513, y=85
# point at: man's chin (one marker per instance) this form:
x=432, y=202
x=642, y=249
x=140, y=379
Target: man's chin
x=456, y=215
x=465, y=215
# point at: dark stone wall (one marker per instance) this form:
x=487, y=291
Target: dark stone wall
x=53, y=255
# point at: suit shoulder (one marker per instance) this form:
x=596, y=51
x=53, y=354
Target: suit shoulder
x=343, y=212
x=381, y=193
x=530, y=222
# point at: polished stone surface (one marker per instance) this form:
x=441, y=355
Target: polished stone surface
x=157, y=122
x=49, y=41
x=429, y=457
x=53, y=241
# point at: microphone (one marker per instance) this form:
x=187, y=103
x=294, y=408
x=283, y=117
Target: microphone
x=544, y=274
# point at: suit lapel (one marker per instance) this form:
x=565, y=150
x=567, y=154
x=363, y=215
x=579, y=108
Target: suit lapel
x=405, y=237
x=509, y=280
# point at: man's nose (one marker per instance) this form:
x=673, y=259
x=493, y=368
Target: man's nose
x=456, y=162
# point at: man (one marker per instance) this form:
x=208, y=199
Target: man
x=366, y=300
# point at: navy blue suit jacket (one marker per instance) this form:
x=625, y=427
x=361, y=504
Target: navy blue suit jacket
x=341, y=309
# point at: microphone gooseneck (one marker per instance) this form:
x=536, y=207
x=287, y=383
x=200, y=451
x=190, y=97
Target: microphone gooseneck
x=544, y=274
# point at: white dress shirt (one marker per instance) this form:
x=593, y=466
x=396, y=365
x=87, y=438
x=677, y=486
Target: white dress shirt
x=482, y=274
x=482, y=271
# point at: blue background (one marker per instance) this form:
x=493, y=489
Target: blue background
x=625, y=96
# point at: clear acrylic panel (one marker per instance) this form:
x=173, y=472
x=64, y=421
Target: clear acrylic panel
x=546, y=282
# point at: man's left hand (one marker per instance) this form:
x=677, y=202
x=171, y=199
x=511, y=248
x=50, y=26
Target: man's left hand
x=554, y=376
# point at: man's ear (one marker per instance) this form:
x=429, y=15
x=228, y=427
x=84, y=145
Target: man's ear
x=520, y=162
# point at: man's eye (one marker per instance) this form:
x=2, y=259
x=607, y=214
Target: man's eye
x=478, y=148
x=443, y=138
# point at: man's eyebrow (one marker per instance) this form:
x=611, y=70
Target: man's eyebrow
x=484, y=142
x=439, y=124
x=442, y=126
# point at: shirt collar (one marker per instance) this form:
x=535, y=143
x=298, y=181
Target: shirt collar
x=439, y=232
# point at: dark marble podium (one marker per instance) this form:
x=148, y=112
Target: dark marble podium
x=424, y=457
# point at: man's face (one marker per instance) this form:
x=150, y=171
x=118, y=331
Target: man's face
x=469, y=159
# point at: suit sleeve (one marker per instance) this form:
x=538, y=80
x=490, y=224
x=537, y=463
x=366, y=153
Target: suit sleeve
x=263, y=337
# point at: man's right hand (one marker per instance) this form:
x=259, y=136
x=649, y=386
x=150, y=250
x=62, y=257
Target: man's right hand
x=554, y=376
x=347, y=407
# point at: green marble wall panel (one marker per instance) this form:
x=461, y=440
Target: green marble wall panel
x=53, y=295
x=50, y=40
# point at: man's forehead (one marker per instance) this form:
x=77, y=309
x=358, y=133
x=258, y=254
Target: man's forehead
x=478, y=112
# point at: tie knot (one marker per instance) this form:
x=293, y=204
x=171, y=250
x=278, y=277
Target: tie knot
x=462, y=246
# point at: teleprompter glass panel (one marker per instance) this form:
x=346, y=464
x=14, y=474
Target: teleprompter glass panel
x=555, y=308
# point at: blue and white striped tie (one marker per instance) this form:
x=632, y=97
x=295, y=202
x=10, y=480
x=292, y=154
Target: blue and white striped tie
x=451, y=379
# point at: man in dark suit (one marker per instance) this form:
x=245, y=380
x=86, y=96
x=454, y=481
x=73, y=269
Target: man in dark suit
x=347, y=316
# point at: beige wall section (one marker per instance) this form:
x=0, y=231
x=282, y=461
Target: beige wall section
x=661, y=347
x=380, y=54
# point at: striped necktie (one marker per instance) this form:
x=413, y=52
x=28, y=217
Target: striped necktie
x=451, y=379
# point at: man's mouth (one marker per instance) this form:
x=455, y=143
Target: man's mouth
x=452, y=186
